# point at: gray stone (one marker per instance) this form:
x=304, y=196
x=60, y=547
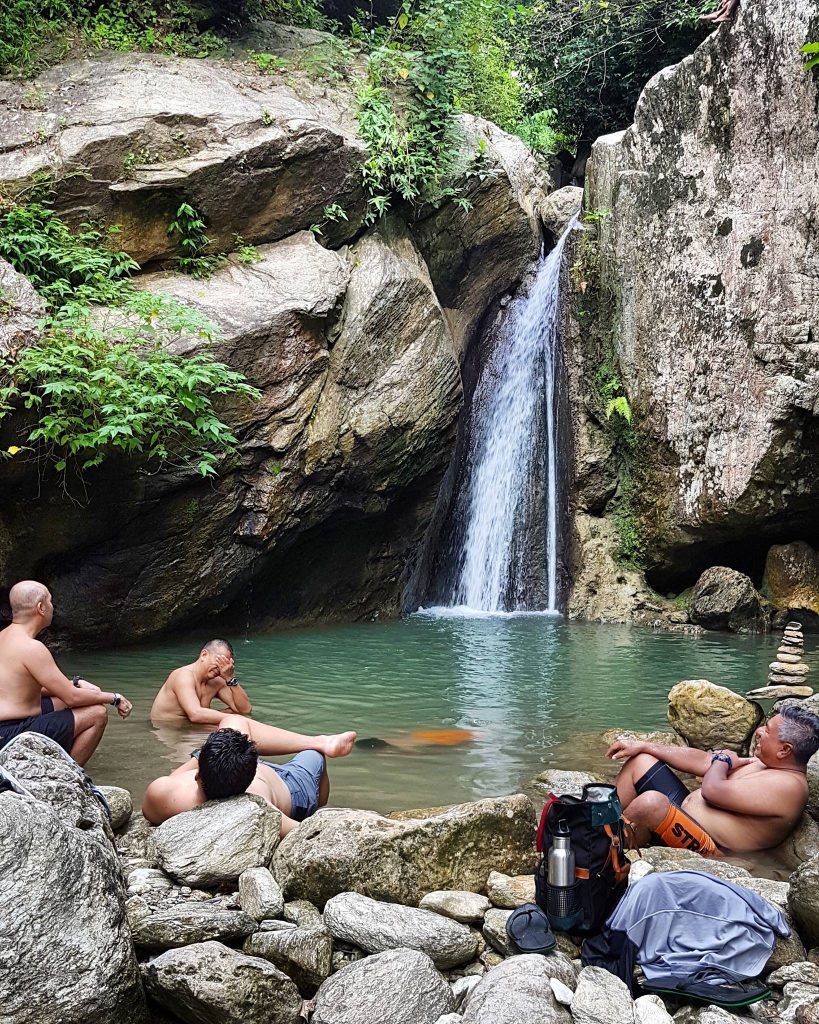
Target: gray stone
x=711, y=717
x=559, y=207
x=723, y=598
x=510, y=891
x=62, y=908
x=376, y=926
x=401, y=986
x=517, y=991
x=218, y=841
x=120, y=804
x=789, y=669
x=562, y=993
x=563, y=783
x=456, y=903
x=304, y=954
x=798, y=1004
x=341, y=850
x=20, y=309
x=146, y=880
x=208, y=983
x=651, y=1009
x=805, y=972
x=259, y=894
x=706, y=1015
x=803, y=900
x=463, y=987
x=184, y=924
x=302, y=913
x=494, y=931
x=601, y=998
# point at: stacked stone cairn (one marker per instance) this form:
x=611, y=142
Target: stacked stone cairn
x=789, y=670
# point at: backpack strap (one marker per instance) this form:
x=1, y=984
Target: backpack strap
x=618, y=861
x=541, y=829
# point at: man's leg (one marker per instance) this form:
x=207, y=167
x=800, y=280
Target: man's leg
x=89, y=725
x=646, y=813
x=270, y=740
x=630, y=774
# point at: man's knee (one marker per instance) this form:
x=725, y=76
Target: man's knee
x=649, y=809
x=639, y=765
x=93, y=717
x=237, y=722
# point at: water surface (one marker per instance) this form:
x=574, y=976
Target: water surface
x=537, y=690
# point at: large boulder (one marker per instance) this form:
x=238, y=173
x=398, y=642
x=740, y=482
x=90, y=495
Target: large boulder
x=401, y=986
x=341, y=850
x=208, y=983
x=218, y=841
x=791, y=578
x=517, y=991
x=710, y=323
x=65, y=949
x=712, y=717
x=803, y=900
x=723, y=598
x=601, y=998
x=376, y=927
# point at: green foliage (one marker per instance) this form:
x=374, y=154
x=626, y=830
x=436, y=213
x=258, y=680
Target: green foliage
x=812, y=62
x=620, y=407
x=589, y=59
x=540, y=132
x=100, y=378
x=331, y=214
x=189, y=227
x=267, y=62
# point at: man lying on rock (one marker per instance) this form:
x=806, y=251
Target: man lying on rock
x=35, y=696
x=745, y=803
x=228, y=765
x=188, y=692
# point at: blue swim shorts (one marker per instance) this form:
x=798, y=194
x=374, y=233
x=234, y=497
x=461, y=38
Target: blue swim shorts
x=302, y=776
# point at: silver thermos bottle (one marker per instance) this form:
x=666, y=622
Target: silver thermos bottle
x=562, y=892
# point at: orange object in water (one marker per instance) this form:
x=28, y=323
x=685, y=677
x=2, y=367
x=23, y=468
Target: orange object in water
x=444, y=737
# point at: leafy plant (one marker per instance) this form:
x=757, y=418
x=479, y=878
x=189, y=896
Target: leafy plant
x=246, y=253
x=812, y=62
x=540, y=132
x=331, y=214
x=101, y=378
x=267, y=62
x=189, y=225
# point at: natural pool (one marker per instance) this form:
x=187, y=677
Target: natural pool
x=537, y=690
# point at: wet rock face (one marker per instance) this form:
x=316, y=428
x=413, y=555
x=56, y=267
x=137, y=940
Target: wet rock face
x=792, y=576
x=355, y=349
x=710, y=717
x=707, y=250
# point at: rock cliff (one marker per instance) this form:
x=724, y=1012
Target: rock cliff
x=697, y=298
x=355, y=342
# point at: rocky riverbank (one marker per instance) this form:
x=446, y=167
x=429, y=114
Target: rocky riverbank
x=353, y=918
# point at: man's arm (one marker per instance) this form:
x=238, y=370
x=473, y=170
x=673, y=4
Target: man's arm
x=185, y=693
x=771, y=794
x=43, y=668
x=235, y=698
x=163, y=798
x=682, y=759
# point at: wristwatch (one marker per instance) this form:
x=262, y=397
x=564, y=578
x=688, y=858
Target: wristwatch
x=232, y=682
x=116, y=699
x=75, y=680
x=724, y=758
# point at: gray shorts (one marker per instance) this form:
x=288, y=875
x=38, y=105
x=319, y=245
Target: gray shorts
x=302, y=776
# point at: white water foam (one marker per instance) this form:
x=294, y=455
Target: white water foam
x=518, y=377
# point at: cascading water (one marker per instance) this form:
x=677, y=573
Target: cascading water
x=510, y=495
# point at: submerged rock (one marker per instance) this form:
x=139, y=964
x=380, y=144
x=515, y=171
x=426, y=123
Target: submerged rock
x=218, y=841
x=340, y=850
x=376, y=927
x=401, y=986
x=208, y=983
x=710, y=717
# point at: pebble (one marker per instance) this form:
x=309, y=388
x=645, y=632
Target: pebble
x=784, y=655
x=789, y=669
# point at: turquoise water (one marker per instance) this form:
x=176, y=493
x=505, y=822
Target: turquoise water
x=537, y=691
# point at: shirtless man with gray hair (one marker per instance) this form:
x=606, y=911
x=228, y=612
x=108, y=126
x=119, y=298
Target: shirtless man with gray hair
x=35, y=696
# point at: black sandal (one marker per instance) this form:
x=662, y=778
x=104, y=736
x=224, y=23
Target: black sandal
x=528, y=928
x=721, y=990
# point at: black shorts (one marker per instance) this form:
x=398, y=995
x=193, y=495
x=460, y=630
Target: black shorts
x=661, y=779
x=58, y=725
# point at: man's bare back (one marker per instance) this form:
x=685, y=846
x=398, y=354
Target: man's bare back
x=35, y=694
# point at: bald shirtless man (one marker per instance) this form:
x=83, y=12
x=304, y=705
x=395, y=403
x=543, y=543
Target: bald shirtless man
x=35, y=696
x=187, y=693
x=228, y=765
x=745, y=803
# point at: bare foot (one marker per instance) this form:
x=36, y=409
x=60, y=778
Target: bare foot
x=339, y=745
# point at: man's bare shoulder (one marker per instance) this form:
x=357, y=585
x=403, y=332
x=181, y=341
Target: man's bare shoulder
x=179, y=677
x=17, y=643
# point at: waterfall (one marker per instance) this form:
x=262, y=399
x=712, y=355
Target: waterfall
x=510, y=497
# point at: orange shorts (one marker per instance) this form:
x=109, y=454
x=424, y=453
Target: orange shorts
x=679, y=830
